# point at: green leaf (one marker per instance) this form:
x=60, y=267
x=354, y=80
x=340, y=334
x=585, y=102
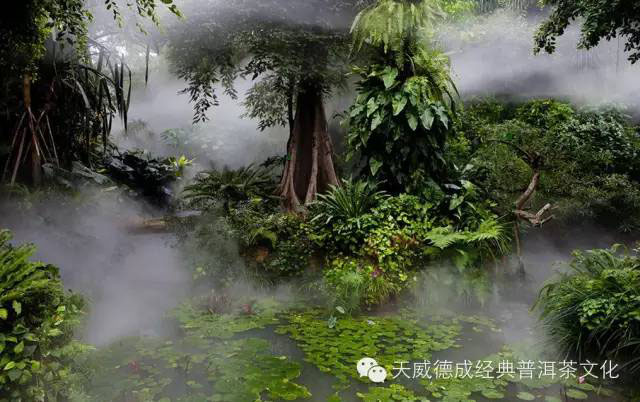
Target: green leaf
x=372, y=105
x=576, y=394
x=17, y=307
x=374, y=165
x=9, y=366
x=377, y=119
x=54, y=332
x=4, y=313
x=390, y=77
x=356, y=110
x=427, y=118
x=14, y=374
x=413, y=122
x=398, y=103
x=526, y=396
x=19, y=348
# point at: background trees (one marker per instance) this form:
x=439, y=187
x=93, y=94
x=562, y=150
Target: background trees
x=60, y=92
x=603, y=19
x=296, y=53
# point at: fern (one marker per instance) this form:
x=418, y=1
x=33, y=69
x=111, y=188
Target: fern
x=350, y=201
x=230, y=186
x=388, y=24
x=444, y=237
x=490, y=235
x=22, y=280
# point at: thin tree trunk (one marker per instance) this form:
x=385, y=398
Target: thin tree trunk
x=36, y=159
x=309, y=167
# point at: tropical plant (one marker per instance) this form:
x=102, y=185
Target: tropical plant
x=230, y=186
x=294, y=63
x=59, y=103
x=391, y=24
x=352, y=283
x=593, y=310
x=406, y=98
x=36, y=326
x=348, y=202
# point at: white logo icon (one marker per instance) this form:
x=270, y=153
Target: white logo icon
x=377, y=374
x=364, y=365
x=368, y=367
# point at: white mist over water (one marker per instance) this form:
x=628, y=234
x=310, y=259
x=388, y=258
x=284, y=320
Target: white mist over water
x=130, y=280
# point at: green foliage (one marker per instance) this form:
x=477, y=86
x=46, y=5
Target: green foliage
x=230, y=186
x=353, y=283
x=601, y=20
x=259, y=40
x=60, y=96
x=214, y=359
x=387, y=24
x=378, y=256
x=594, y=309
x=400, y=119
x=348, y=202
x=194, y=369
x=278, y=241
x=336, y=349
x=198, y=319
x=587, y=158
x=36, y=325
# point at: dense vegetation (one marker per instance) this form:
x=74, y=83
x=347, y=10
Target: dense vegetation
x=358, y=241
x=593, y=310
x=37, y=319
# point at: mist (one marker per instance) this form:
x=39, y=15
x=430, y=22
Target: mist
x=494, y=57
x=130, y=280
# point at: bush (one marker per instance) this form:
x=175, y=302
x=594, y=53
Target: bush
x=593, y=311
x=230, y=187
x=400, y=120
x=278, y=241
x=377, y=257
x=353, y=283
x=588, y=158
x=36, y=326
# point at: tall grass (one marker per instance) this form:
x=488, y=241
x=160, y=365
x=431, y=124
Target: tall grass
x=593, y=311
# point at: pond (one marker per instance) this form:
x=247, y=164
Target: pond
x=455, y=336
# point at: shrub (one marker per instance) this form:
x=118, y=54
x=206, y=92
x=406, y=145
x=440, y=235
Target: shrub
x=36, y=325
x=588, y=158
x=280, y=240
x=593, y=311
x=230, y=187
x=353, y=283
x=401, y=118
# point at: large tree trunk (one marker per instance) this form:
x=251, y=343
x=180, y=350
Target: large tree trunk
x=309, y=167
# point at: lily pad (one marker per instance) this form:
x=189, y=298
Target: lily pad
x=526, y=396
x=576, y=394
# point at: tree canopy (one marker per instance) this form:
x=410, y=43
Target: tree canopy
x=602, y=19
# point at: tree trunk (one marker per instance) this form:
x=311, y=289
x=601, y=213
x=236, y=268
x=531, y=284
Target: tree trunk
x=309, y=167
